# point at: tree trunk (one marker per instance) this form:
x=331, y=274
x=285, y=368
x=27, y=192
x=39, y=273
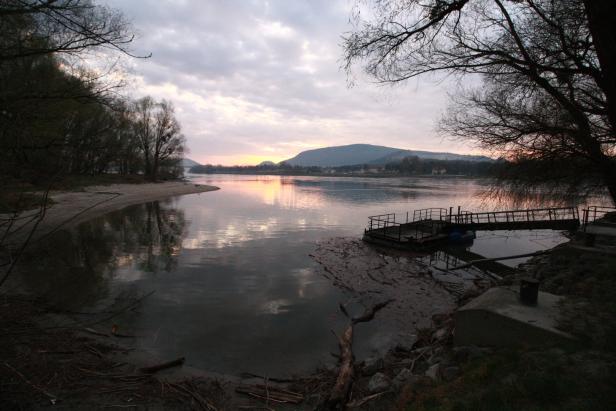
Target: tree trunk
x=602, y=21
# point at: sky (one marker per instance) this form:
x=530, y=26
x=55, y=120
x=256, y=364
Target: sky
x=255, y=80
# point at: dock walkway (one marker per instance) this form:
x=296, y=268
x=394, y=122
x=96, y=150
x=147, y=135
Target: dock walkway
x=436, y=225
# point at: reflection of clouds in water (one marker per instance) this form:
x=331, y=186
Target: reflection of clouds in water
x=237, y=231
x=318, y=193
x=275, y=307
x=305, y=277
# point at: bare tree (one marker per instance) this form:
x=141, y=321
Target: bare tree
x=143, y=121
x=168, y=140
x=546, y=94
x=40, y=27
x=159, y=135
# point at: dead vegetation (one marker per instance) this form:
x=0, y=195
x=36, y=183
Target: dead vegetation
x=64, y=367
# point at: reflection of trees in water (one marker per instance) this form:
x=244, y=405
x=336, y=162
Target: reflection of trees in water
x=74, y=267
x=151, y=234
x=361, y=191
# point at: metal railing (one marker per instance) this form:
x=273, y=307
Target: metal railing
x=424, y=224
x=430, y=214
x=386, y=225
x=512, y=216
x=429, y=222
x=593, y=213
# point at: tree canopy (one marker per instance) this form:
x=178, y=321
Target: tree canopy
x=57, y=115
x=547, y=95
x=70, y=27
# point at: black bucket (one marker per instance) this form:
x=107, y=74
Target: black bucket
x=529, y=291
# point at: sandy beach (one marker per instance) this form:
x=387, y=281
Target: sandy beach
x=69, y=208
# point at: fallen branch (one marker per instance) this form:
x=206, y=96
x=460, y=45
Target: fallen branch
x=205, y=404
x=92, y=331
x=362, y=401
x=274, y=379
x=269, y=393
x=509, y=257
x=158, y=367
x=370, y=313
x=337, y=399
x=51, y=397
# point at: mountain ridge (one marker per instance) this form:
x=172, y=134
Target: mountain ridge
x=354, y=154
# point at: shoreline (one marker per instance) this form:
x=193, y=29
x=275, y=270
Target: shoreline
x=70, y=208
x=358, y=175
x=420, y=370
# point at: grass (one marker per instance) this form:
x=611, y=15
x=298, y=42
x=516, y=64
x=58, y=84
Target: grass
x=544, y=379
x=522, y=380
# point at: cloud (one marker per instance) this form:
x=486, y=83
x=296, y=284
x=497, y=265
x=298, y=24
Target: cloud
x=262, y=79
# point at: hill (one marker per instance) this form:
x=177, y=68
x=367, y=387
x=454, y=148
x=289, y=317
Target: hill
x=187, y=163
x=368, y=154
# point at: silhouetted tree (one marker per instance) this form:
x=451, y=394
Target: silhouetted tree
x=548, y=89
x=159, y=135
x=41, y=27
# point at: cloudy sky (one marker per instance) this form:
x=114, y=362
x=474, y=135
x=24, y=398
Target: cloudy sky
x=256, y=80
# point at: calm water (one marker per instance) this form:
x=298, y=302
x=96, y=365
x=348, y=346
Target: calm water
x=235, y=287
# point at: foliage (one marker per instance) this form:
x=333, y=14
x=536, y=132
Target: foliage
x=549, y=379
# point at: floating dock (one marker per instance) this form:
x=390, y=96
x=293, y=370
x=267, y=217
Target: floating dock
x=436, y=226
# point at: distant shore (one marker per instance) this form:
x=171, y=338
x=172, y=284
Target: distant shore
x=70, y=208
x=356, y=175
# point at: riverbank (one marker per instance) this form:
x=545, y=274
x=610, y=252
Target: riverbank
x=73, y=367
x=526, y=377
x=70, y=208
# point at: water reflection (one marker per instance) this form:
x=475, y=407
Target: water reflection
x=75, y=268
x=235, y=287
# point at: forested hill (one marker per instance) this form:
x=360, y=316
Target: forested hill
x=368, y=154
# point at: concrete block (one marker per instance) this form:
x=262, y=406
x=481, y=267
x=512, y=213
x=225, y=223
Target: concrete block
x=498, y=318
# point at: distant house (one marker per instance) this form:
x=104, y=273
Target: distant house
x=370, y=170
x=439, y=171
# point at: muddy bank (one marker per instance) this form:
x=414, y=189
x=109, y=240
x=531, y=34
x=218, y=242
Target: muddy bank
x=423, y=300
x=419, y=292
x=70, y=208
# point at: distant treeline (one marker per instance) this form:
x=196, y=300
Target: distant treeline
x=408, y=166
x=58, y=118
x=414, y=165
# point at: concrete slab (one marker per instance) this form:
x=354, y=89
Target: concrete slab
x=607, y=229
x=498, y=318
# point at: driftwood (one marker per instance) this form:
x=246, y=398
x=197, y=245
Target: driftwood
x=92, y=331
x=261, y=377
x=337, y=399
x=52, y=398
x=359, y=402
x=269, y=394
x=191, y=390
x=162, y=366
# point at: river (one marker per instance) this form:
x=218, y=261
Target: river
x=235, y=288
